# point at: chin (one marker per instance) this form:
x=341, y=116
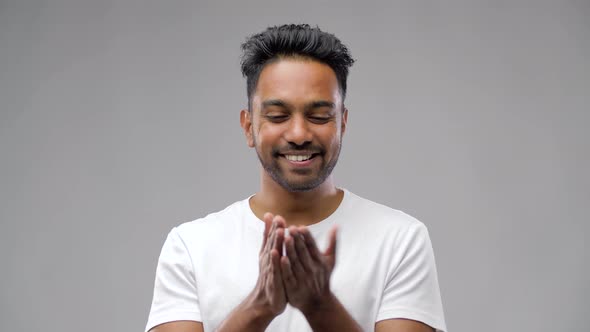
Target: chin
x=300, y=189
x=300, y=186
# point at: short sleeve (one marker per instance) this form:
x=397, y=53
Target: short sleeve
x=411, y=289
x=175, y=291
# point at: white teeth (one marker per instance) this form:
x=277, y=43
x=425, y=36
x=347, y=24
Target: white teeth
x=297, y=158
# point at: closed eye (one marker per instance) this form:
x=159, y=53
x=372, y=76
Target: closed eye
x=320, y=119
x=276, y=118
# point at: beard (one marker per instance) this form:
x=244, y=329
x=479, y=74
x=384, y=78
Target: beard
x=277, y=173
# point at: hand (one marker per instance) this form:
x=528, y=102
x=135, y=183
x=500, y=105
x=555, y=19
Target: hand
x=306, y=271
x=269, y=293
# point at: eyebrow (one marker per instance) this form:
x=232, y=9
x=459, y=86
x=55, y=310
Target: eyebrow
x=274, y=102
x=309, y=106
x=320, y=103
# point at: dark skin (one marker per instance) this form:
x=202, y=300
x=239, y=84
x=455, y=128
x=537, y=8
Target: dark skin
x=297, y=103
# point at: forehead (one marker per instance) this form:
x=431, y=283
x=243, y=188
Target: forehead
x=297, y=80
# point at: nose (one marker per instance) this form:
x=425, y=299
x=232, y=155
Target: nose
x=298, y=132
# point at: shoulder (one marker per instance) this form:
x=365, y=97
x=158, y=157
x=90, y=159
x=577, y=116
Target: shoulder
x=212, y=224
x=378, y=215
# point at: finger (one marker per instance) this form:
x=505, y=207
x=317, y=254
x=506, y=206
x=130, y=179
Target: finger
x=296, y=267
x=274, y=278
x=265, y=256
x=278, y=240
x=311, y=245
x=289, y=279
x=307, y=263
x=330, y=252
x=270, y=238
x=280, y=221
x=276, y=268
x=267, y=223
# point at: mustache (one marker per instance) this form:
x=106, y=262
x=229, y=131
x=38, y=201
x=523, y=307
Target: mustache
x=291, y=148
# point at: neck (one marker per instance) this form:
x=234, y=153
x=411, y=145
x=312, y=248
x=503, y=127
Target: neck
x=298, y=208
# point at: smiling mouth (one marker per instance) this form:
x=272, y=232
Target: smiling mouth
x=291, y=157
x=300, y=158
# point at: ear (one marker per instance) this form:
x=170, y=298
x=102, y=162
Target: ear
x=344, y=121
x=246, y=124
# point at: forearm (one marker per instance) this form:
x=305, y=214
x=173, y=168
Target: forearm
x=247, y=317
x=331, y=317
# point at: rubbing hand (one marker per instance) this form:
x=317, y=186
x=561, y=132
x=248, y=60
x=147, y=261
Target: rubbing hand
x=306, y=271
x=269, y=292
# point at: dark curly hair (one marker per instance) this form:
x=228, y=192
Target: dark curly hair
x=293, y=40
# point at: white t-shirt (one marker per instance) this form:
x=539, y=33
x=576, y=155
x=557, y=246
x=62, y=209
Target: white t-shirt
x=385, y=267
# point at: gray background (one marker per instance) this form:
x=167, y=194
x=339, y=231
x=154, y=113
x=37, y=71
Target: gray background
x=119, y=120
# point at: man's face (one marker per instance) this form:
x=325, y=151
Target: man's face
x=296, y=122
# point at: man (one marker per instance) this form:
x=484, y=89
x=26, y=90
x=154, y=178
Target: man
x=260, y=264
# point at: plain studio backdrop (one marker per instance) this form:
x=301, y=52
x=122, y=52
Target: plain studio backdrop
x=119, y=120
